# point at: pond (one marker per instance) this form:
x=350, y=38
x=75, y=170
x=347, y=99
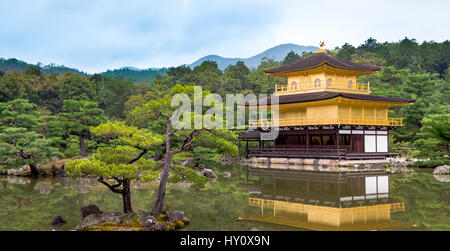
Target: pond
x=252, y=199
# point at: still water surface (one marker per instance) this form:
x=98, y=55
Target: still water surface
x=264, y=199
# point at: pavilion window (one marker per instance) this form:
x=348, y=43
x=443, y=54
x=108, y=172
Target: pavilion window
x=294, y=86
x=350, y=84
x=329, y=83
x=328, y=140
x=317, y=83
x=344, y=140
x=315, y=140
x=302, y=140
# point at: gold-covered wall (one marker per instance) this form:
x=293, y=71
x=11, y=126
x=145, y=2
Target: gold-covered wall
x=363, y=113
x=321, y=80
x=333, y=114
x=328, y=112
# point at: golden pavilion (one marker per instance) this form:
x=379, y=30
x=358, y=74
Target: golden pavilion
x=325, y=113
x=322, y=201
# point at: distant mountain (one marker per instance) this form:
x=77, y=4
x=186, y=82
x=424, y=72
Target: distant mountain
x=9, y=65
x=278, y=53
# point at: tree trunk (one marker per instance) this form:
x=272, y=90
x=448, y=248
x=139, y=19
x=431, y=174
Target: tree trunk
x=34, y=171
x=82, y=146
x=162, y=186
x=165, y=174
x=447, y=149
x=126, y=196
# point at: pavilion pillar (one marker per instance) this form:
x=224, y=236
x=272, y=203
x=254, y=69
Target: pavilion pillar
x=307, y=140
x=338, y=143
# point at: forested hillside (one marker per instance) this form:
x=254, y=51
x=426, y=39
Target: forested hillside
x=411, y=70
x=12, y=64
x=138, y=76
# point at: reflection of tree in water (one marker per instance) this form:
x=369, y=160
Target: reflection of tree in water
x=426, y=200
x=24, y=207
x=83, y=185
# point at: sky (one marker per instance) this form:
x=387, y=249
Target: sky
x=95, y=35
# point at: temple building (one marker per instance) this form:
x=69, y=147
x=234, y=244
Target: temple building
x=325, y=113
x=323, y=201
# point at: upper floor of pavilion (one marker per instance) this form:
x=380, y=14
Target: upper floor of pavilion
x=322, y=72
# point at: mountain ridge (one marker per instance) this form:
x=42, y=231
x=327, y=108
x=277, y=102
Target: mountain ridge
x=276, y=53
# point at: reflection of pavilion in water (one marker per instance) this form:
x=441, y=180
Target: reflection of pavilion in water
x=323, y=200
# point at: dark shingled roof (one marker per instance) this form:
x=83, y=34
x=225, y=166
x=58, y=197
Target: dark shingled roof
x=317, y=96
x=322, y=58
x=251, y=135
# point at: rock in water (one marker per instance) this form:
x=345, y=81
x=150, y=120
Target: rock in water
x=209, y=173
x=174, y=215
x=93, y=220
x=90, y=209
x=157, y=227
x=442, y=170
x=148, y=221
x=25, y=170
x=442, y=173
x=60, y=173
x=58, y=220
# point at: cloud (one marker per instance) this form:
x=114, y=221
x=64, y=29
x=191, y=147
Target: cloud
x=105, y=34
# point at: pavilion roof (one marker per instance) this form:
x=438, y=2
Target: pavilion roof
x=319, y=59
x=325, y=95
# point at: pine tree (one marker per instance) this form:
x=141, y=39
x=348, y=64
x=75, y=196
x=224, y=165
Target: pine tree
x=78, y=116
x=21, y=142
x=121, y=161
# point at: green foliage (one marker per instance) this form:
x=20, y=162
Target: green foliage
x=12, y=86
x=76, y=87
x=426, y=200
x=431, y=92
x=183, y=173
x=12, y=64
x=112, y=93
x=81, y=114
x=118, y=161
x=21, y=141
x=136, y=76
x=77, y=118
x=132, y=136
x=204, y=155
x=291, y=57
x=154, y=113
x=433, y=142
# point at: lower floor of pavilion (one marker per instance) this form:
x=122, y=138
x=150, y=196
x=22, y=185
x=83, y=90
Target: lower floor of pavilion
x=340, y=142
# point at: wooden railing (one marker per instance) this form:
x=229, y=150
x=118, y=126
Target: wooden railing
x=325, y=121
x=398, y=207
x=284, y=89
x=303, y=208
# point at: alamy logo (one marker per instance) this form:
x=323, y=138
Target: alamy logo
x=210, y=112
